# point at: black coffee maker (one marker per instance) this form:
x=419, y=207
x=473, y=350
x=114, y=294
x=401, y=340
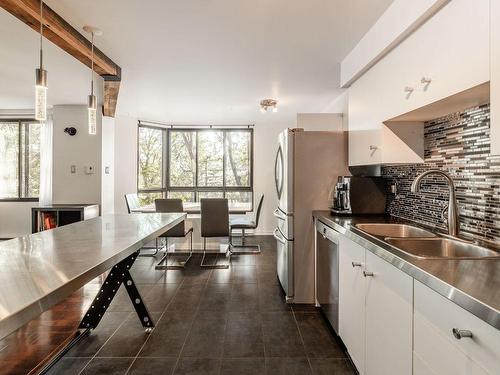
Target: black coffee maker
x=359, y=195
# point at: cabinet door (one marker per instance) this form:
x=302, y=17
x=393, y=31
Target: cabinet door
x=389, y=313
x=435, y=317
x=352, y=300
x=453, y=58
x=495, y=76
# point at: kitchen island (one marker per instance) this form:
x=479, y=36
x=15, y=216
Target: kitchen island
x=39, y=270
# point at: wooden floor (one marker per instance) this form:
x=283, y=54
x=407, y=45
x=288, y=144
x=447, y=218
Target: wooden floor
x=207, y=322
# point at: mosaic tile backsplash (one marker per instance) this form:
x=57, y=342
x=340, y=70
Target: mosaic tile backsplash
x=460, y=145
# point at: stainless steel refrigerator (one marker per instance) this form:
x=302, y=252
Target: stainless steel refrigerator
x=306, y=168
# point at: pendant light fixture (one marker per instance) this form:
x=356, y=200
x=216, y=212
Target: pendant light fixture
x=41, y=79
x=92, y=102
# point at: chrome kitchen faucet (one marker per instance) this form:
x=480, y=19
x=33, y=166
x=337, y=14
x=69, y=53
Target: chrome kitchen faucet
x=453, y=218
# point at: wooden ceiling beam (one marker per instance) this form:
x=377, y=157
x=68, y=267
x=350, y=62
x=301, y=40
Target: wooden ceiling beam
x=65, y=36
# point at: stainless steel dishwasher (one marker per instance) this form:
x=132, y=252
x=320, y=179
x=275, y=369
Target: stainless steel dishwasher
x=327, y=273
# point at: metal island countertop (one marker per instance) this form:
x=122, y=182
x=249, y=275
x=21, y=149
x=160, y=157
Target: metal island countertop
x=473, y=284
x=39, y=270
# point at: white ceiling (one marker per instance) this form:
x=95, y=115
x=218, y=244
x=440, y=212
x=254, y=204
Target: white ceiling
x=68, y=79
x=199, y=61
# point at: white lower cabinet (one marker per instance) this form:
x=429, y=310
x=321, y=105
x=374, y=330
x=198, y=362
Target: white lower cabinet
x=375, y=311
x=392, y=324
x=352, y=300
x=389, y=315
x=438, y=351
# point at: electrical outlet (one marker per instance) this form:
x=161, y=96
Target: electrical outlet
x=73, y=169
x=89, y=169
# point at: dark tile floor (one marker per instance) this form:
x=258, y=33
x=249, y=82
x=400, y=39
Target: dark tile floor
x=210, y=322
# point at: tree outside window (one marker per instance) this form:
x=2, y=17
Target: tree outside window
x=20, y=161
x=195, y=163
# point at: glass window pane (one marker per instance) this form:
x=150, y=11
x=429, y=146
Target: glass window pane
x=33, y=160
x=239, y=200
x=150, y=158
x=210, y=194
x=186, y=196
x=148, y=199
x=188, y=199
x=210, y=158
x=9, y=162
x=238, y=158
x=182, y=158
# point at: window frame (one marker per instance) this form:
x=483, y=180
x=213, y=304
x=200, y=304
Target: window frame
x=21, y=123
x=196, y=189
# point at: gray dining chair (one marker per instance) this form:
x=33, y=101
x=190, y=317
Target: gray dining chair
x=134, y=206
x=132, y=201
x=214, y=223
x=181, y=230
x=244, y=223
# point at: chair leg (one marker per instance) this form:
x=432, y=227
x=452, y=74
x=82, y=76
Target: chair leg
x=155, y=248
x=255, y=248
x=216, y=266
x=176, y=265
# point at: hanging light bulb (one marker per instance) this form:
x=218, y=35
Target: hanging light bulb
x=41, y=79
x=92, y=102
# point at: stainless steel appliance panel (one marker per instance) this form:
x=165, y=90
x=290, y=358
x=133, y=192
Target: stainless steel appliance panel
x=284, y=171
x=327, y=273
x=284, y=223
x=284, y=262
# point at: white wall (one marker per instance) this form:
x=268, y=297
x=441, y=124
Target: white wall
x=125, y=160
x=108, y=166
x=265, y=140
x=15, y=218
x=81, y=150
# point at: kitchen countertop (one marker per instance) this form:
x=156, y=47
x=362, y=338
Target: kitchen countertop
x=473, y=284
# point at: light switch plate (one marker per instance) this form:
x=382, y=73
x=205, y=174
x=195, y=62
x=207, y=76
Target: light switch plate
x=106, y=170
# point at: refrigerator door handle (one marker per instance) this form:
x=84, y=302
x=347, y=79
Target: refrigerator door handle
x=277, y=213
x=278, y=172
x=278, y=236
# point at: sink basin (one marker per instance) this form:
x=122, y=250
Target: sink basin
x=441, y=248
x=394, y=230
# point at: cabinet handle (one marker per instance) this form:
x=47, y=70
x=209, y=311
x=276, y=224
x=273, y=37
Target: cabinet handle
x=356, y=264
x=366, y=274
x=461, y=333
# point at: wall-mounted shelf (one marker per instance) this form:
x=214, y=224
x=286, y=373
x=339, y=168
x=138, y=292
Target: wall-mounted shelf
x=53, y=216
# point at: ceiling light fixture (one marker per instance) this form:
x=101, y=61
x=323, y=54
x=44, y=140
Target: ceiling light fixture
x=268, y=104
x=92, y=102
x=41, y=79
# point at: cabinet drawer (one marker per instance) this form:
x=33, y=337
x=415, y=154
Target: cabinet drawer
x=434, y=319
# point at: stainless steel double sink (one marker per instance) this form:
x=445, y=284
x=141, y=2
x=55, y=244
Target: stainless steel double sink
x=421, y=243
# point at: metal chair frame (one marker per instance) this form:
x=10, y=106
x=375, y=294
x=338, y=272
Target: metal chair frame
x=179, y=264
x=229, y=252
x=243, y=246
x=155, y=248
x=173, y=205
x=220, y=232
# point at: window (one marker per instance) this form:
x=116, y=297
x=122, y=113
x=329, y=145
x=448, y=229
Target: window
x=192, y=164
x=20, y=161
x=20, y=164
